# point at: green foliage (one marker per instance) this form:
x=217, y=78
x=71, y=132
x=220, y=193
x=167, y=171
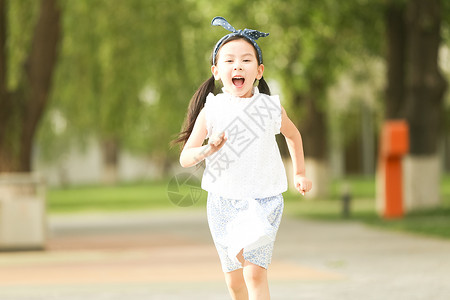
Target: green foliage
x=127, y=69
x=22, y=16
x=115, y=54
x=102, y=67
x=126, y=72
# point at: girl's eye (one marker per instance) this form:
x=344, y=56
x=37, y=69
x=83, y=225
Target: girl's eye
x=229, y=61
x=246, y=60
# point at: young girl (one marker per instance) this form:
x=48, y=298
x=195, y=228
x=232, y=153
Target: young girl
x=244, y=173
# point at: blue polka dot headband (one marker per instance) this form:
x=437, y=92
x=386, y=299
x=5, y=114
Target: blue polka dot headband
x=250, y=34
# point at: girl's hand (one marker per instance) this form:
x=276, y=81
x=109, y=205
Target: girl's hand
x=216, y=142
x=302, y=184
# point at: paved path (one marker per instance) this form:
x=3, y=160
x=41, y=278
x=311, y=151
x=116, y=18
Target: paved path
x=170, y=255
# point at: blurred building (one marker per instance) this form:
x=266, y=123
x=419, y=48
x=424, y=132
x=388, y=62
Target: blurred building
x=86, y=167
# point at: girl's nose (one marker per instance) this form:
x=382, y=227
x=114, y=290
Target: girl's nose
x=237, y=67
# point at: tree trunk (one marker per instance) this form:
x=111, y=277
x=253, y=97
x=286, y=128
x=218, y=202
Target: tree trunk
x=425, y=87
x=110, y=152
x=5, y=103
x=21, y=110
x=313, y=128
x=395, y=60
x=415, y=92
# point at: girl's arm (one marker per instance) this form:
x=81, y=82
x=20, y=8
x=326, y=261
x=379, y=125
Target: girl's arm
x=193, y=151
x=295, y=146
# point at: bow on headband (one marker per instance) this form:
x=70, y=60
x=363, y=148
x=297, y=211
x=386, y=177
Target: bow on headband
x=250, y=34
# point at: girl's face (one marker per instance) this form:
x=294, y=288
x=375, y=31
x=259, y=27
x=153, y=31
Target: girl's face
x=237, y=67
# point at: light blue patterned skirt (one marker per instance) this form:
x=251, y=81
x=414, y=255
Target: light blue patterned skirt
x=249, y=224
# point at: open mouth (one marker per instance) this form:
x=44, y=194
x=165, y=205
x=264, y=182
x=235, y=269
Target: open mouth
x=238, y=81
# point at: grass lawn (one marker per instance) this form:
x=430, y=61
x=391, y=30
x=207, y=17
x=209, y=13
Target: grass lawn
x=123, y=197
x=154, y=195
x=434, y=222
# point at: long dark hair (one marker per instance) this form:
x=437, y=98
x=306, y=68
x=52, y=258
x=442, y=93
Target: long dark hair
x=198, y=100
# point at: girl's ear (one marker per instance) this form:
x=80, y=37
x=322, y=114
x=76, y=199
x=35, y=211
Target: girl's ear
x=260, y=71
x=215, y=72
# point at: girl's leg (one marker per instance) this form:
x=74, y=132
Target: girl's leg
x=256, y=280
x=236, y=283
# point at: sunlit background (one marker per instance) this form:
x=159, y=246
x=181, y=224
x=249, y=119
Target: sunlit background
x=94, y=91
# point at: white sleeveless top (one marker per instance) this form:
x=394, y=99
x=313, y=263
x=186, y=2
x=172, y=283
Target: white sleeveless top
x=249, y=165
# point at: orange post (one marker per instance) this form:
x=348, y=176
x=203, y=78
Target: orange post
x=394, y=145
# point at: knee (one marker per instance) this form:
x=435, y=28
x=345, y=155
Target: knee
x=235, y=283
x=255, y=275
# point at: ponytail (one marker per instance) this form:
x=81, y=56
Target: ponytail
x=195, y=106
x=263, y=87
